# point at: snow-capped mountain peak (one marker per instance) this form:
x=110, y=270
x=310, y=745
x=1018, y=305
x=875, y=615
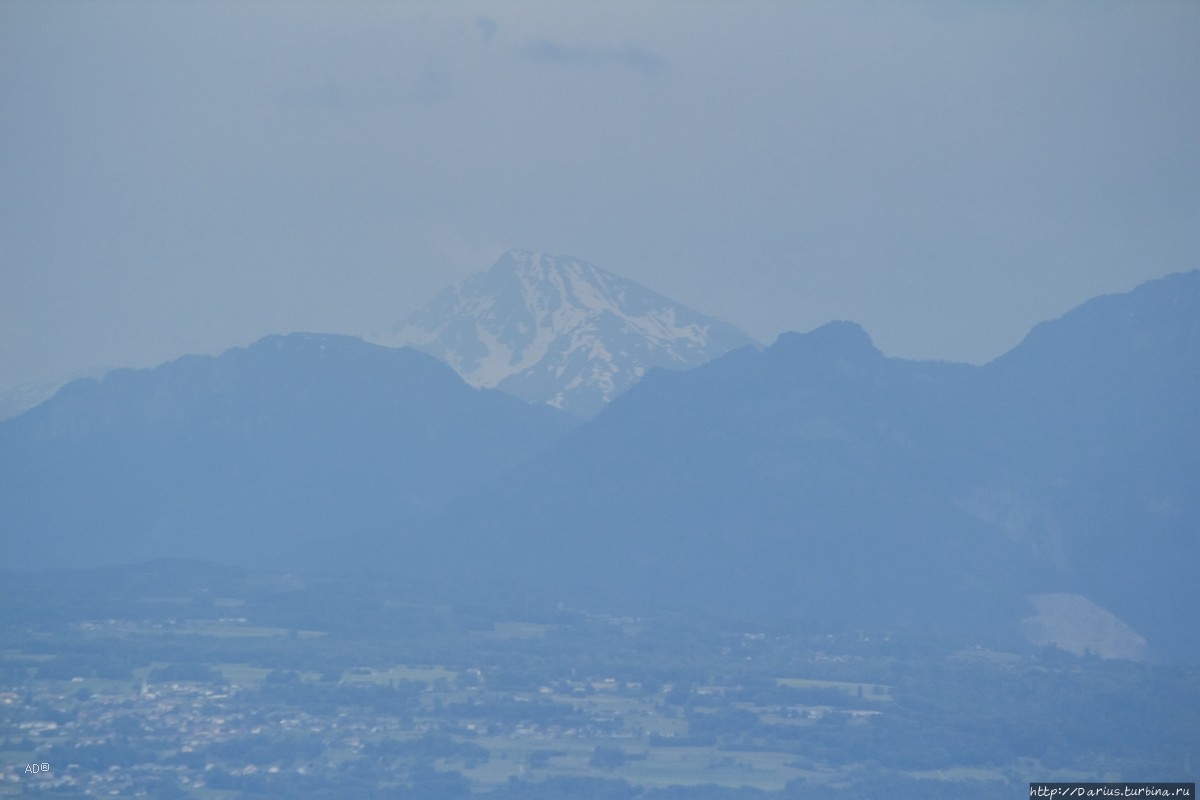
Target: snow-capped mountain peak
x=559, y=330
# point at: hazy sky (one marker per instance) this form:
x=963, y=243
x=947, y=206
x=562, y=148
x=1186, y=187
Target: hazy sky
x=181, y=177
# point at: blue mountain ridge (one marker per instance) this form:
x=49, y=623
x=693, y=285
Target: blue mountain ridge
x=300, y=451
x=815, y=480
x=820, y=480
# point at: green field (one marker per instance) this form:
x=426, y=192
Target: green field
x=868, y=691
x=401, y=673
x=645, y=765
x=516, y=630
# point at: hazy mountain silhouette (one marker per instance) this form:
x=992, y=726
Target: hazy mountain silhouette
x=1048, y=492
x=1093, y=431
x=298, y=451
x=820, y=479
x=814, y=480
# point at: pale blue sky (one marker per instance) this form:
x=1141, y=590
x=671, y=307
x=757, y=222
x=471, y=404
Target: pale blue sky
x=185, y=177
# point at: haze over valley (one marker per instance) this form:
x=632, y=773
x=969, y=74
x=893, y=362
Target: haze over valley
x=672, y=401
x=892, y=511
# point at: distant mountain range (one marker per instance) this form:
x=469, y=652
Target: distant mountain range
x=820, y=480
x=306, y=450
x=1047, y=497
x=18, y=399
x=557, y=330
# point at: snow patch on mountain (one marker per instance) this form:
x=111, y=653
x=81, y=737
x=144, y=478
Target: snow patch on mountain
x=559, y=330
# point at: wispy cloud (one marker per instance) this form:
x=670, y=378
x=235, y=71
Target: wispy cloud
x=487, y=26
x=433, y=85
x=645, y=61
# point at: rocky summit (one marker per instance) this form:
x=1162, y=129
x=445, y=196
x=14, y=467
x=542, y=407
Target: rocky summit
x=561, y=331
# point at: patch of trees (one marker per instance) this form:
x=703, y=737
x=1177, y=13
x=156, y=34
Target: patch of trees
x=429, y=747
x=724, y=722
x=263, y=749
x=321, y=699
x=98, y=757
x=189, y=672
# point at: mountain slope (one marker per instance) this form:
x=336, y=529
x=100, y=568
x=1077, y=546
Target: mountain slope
x=19, y=399
x=1047, y=495
x=1095, y=436
x=814, y=480
x=560, y=331
x=298, y=451
x=818, y=479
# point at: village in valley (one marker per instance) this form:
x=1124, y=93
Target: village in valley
x=202, y=695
